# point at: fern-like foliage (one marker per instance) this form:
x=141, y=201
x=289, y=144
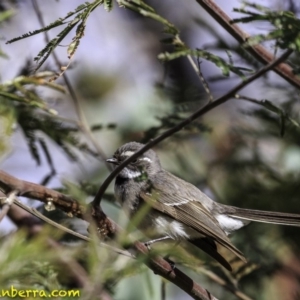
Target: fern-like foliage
x=65, y=136
x=5, y=15
x=80, y=16
x=225, y=67
x=21, y=89
x=283, y=116
x=21, y=105
x=181, y=49
x=286, y=26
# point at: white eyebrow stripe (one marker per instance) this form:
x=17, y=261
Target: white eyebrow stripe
x=128, y=153
x=146, y=159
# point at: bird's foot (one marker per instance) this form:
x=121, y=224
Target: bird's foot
x=171, y=262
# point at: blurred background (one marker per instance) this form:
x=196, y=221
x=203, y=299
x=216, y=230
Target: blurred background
x=239, y=154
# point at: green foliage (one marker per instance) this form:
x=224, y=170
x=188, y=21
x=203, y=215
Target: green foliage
x=286, y=26
x=21, y=89
x=283, y=116
x=39, y=265
x=225, y=156
x=82, y=13
x=63, y=135
x=22, y=105
x=225, y=67
x=108, y=5
x=20, y=266
x=253, y=177
x=80, y=16
x=5, y=15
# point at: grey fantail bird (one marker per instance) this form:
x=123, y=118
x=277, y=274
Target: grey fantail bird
x=179, y=210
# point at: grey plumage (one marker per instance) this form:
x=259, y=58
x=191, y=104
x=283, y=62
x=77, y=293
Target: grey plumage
x=179, y=210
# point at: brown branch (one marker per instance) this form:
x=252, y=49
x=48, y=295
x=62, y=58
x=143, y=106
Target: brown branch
x=258, y=51
x=158, y=265
x=163, y=268
x=208, y=107
x=9, y=183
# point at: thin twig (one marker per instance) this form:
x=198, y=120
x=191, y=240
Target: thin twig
x=163, y=286
x=83, y=124
x=37, y=214
x=258, y=51
x=243, y=97
x=6, y=203
x=204, y=82
x=224, y=284
x=193, y=64
x=208, y=107
x=196, y=68
x=4, y=211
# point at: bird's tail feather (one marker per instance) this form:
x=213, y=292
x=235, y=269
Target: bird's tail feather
x=210, y=247
x=265, y=216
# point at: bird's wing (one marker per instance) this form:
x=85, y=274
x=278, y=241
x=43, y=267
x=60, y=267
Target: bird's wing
x=181, y=206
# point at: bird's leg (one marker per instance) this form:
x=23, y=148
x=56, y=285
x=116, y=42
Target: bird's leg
x=149, y=243
x=171, y=262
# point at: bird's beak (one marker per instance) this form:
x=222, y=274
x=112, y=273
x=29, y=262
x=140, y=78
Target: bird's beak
x=112, y=161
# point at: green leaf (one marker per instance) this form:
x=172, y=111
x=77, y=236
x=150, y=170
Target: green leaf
x=108, y=5
x=286, y=26
x=218, y=61
x=5, y=15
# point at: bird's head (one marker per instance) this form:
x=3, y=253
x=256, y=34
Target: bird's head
x=148, y=163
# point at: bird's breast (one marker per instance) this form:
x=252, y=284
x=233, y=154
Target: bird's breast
x=126, y=193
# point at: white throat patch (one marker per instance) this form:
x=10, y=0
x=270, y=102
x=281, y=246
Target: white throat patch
x=127, y=173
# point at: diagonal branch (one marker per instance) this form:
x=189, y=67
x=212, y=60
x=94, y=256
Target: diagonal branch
x=201, y=111
x=158, y=265
x=9, y=183
x=258, y=51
